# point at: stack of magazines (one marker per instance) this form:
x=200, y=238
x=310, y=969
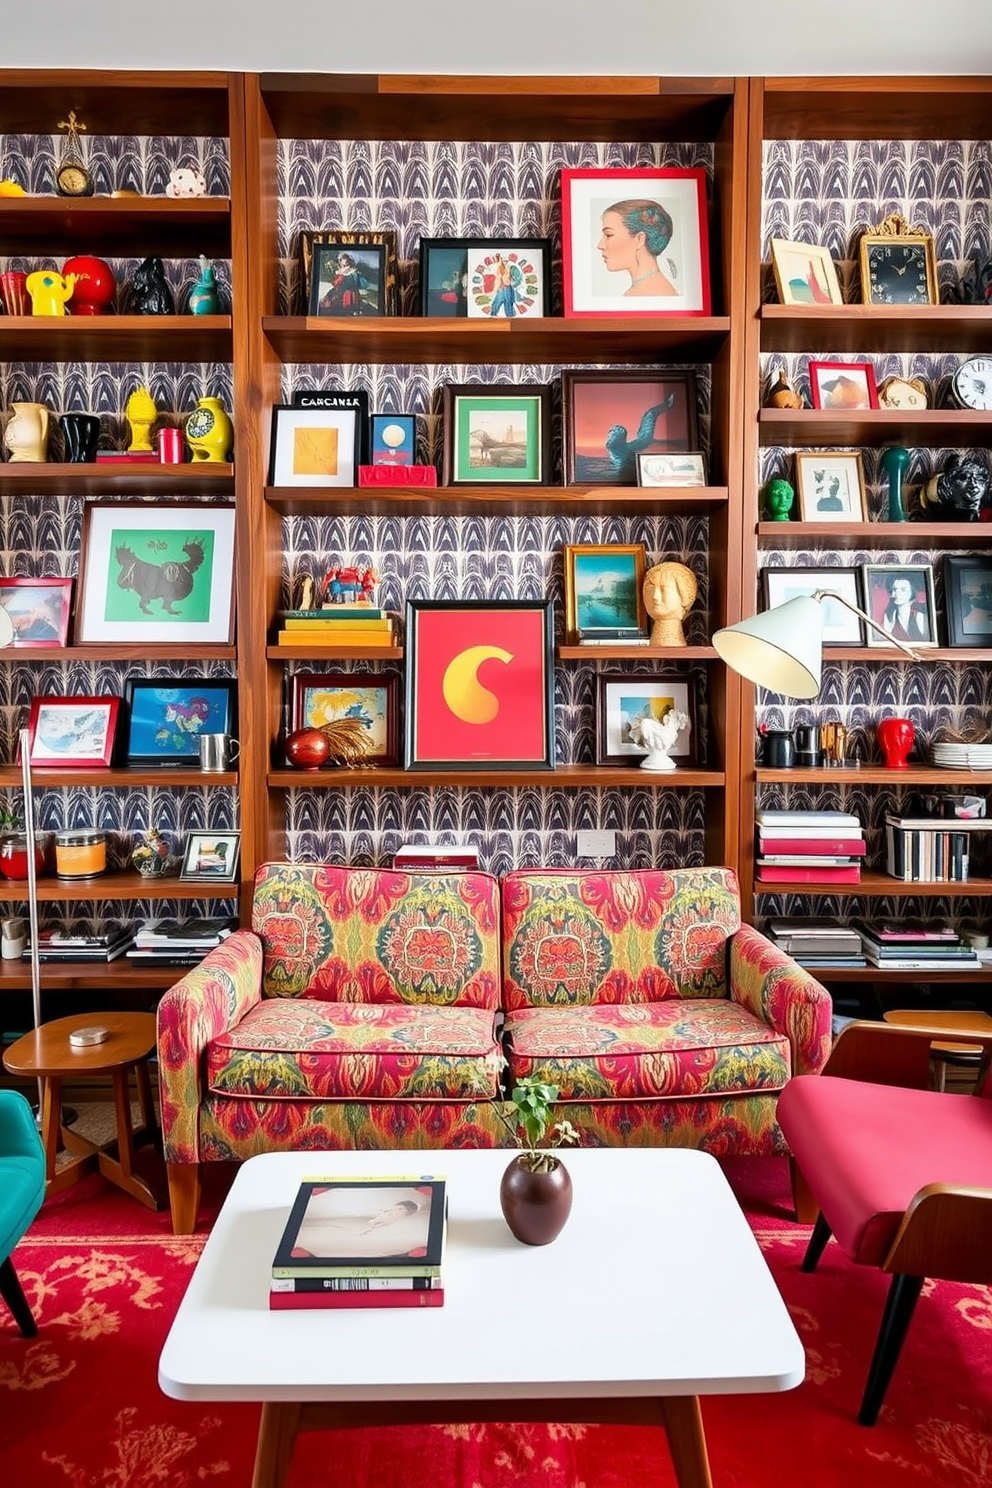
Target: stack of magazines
x=362, y=1242
x=165, y=942
x=55, y=943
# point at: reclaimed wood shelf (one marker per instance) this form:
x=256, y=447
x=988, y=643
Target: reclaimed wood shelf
x=125, y=479
x=864, y=328
x=936, y=428
x=121, y=884
x=168, y=776
x=875, y=535
x=491, y=500
x=116, y=338
x=599, y=777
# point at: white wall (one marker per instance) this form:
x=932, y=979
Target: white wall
x=623, y=37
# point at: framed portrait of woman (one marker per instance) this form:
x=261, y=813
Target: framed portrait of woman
x=635, y=242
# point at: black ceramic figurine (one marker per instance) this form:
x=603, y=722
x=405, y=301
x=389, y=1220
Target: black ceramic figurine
x=80, y=436
x=150, y=292
x=959, y=493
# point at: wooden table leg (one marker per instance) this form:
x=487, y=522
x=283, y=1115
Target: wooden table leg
x=686, y=1440
x=276, y=1438
x=119, y=1167
x=51, y=1121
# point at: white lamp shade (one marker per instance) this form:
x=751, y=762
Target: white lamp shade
x=781, y=649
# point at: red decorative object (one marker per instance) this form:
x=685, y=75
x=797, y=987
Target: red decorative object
x=95, y=285
x=307, y=749
x=14, y=857
x=397, y=475
x=895, y=739
x=535, y=1205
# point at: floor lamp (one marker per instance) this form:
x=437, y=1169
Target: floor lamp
x=781, y=649
x=25, y=738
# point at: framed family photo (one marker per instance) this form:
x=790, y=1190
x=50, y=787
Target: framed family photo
x=485, y=278
x=635, y=241
x=604, y=590
x=38, y=610
x=369, y=698
x=899, y=597
x=831, y=487
x=211, y=857
x=841, y=626
x=968, y=597
x=156, y=572
x=845, y=387
x=165, y=717
x=72, y=732
x=623, y=700
x=479, y=685
x=496, y=434
x=805, y=274
x=315, y=446
x=610, y=418
x=348, y=273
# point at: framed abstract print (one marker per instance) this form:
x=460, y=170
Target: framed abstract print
x=496, y=435
x=623, y=699
x=38, y=610
x=479, y=685
x=211, y=857
x=968, y=596
x=842, y=387
x=165, y=717
x=485, y=278
x=72, y=732
x=609, y=418
x=369, y=699
x=315, y=446
x=393, y=439
x=831, y=487
x=805, y=274
x=635, y=241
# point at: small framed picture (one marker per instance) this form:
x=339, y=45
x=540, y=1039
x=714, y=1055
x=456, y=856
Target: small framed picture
x=968, y=596
x=38, y=610
x=831, y=487
x=211, y=857
x=394, y=439
x=496, y=434
x=315, y=446
x=610, y=418
x=604, y=590
x=671, y=470
x=367, y=698
x=805, y=274
x=622, y=701
x=72, y=732
x=368, y=256
x=635, y=241
x=156, y=572
x=480, y=685
x=165, y=717
x=485, y=278
x=898, y=266
x=899, y=597
x=843, y=387
x=841, y=626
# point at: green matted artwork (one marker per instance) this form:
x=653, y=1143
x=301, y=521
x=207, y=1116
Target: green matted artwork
x=496, y=435
x=158, y=573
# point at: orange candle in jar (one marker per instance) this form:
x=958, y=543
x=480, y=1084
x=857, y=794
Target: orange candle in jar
x=80, y=854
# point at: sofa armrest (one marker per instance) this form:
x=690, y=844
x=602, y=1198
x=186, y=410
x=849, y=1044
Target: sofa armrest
x=212, y=997
x=778, y=990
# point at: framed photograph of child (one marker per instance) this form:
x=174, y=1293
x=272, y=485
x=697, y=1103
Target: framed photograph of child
x=355, y=273
x=635, y=241
x=211, y=857
x=899, y=597
x=831, y=487
x=842, y=387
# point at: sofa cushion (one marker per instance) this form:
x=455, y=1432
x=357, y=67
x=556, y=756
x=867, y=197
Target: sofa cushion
x=378, y=936
x=616, y=937
x=648, y=1050
x=304, y=1048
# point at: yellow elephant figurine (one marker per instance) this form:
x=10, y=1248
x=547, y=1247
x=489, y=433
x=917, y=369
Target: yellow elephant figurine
x=49, y=291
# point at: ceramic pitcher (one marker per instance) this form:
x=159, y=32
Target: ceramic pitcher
x=26, y=435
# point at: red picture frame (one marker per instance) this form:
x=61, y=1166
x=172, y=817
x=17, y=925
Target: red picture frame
x=38, y=610
x=479, y=685
x=72, y=732
x=842, y=387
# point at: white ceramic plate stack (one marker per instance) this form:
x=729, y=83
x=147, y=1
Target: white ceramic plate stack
x=963, y=756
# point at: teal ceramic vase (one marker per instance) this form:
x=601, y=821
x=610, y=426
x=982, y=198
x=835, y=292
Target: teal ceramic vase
x=893, y=463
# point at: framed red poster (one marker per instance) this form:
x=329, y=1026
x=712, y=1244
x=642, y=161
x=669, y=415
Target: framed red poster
x=479, y=685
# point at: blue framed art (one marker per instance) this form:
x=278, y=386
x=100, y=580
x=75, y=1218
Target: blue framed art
x=394, y=438
x=165, y=717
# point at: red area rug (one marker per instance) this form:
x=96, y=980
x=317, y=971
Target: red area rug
x=80, y=1405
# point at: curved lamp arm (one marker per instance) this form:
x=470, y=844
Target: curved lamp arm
x=831, y=594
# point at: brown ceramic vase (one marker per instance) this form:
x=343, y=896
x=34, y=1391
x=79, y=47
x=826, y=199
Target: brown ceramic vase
x=535, y=1205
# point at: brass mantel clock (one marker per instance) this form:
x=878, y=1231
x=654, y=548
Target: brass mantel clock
x=71, y=177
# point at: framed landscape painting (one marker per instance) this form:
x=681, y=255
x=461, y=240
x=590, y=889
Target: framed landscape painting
x=497, y=435
x=72, y=731
x=603, y=590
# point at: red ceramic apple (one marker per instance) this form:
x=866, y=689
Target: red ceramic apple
x=95, y=285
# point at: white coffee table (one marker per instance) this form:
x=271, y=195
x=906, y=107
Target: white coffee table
x=654, y=1293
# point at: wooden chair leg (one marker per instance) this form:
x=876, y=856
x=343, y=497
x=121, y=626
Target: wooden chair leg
x=184, y=1196
x=803, y=1201
x=13, y=1294
x=902, y=1298
x=817, y=1244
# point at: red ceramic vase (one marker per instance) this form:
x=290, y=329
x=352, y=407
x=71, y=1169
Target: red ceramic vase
x=95, y=287
x=895, y=739
x=535, y=1205
x=307, y=748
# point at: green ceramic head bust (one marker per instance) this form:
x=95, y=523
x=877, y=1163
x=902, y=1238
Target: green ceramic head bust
x=779, y=497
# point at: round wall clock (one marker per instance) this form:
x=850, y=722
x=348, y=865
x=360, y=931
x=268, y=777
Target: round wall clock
x=972, y=384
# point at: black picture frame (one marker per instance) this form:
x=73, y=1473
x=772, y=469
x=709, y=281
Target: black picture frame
x=477, y=419
x=619, y=695
x=296, y=428
x=348, y=280
x=968, y=598
x=605, y=415
x=453, y=274
x=342, y=238
x=171, y=713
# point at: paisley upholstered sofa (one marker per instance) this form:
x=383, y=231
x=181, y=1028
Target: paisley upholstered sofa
x=364, y=1007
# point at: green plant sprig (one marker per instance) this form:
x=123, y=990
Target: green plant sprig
x=531, y=1103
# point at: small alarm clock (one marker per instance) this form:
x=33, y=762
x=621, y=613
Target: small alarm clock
x=902, y=393
x=972, y=384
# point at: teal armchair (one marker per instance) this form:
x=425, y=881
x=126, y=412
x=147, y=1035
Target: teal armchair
x=22, y=1189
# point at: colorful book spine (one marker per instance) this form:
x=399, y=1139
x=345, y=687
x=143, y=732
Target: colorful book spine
x=333, y=637
x=852, y=847
x=279, y=1301
x=355, y=1284
x=777, y=874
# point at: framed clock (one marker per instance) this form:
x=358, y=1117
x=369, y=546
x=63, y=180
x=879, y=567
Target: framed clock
x=898, y=266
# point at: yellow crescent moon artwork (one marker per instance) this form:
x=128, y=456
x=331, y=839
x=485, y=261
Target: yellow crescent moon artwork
x=463, y=692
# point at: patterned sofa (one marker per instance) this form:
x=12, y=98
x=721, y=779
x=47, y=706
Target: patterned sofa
x=360, y=1010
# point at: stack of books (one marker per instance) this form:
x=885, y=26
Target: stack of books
x=58, y=944
x=817, y=942
x=357, y=625
x=613, y=635
x=930, y=849
x=915, y=945
x=362, y=1242
x=166, y=942
x=417, y=855
x=809, y=847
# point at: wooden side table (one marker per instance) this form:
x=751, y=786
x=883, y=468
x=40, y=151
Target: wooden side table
x=46, y=1054
x=945, y=1052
